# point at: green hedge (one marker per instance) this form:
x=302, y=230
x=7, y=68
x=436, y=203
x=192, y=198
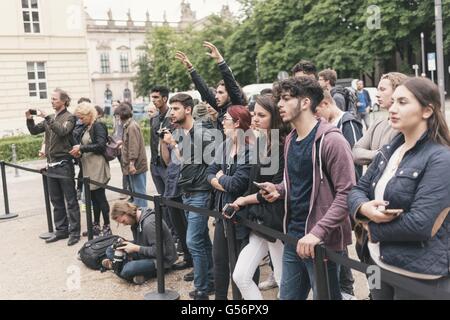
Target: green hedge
x=27, y=147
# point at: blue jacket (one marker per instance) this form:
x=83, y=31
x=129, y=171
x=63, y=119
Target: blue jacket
x=421, y=187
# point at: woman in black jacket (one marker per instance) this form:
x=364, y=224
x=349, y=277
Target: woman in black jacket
x=404, y=198
x=229, y=176
x=90, y=149
x=269, y=125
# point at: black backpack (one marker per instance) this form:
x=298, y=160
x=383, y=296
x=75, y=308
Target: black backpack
x=351, y=99
x=94, y=251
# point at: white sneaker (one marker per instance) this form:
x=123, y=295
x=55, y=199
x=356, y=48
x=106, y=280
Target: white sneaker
x=270, y=283
x=138, y=280
x=346, y=296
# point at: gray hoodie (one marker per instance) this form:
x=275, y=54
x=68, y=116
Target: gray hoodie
x=144, y=235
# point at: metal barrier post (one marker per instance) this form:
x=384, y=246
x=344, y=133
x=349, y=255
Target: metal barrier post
x=232, y=254
x=7, y=214
x=14, y=159
x=321, y=273
x=87, y=199
x=48, y=210
x=161, y=294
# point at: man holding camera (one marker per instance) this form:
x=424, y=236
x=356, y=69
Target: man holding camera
x=58, y=142
x=136, y=261
x=195, y=189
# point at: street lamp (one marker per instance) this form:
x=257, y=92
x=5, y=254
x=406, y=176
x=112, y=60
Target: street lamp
x=440, y=51
x=423, y=52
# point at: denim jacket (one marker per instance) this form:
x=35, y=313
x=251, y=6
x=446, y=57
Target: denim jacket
x=415, y=241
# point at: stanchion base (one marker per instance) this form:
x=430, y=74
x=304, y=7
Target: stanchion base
x=8, y=216
x=46, y=235
x=167, y=295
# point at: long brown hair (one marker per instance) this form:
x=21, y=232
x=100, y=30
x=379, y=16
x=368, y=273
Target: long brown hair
x=427, y=93
x=120, y=208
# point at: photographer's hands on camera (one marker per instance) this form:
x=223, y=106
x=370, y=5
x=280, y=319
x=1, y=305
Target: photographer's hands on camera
x=37, y=112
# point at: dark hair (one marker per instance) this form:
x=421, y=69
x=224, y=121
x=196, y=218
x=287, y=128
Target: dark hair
x=183, y=98
x=164, y=91
x=329, y=75
x=427, y=93
x=267, y=91
x=244, y=97
x=83, y=99
x=301, y=87
x=305, y=66
x=63, y=96
x=124, y=111
x=100, y=111
x=128, y=104
x=268, y=104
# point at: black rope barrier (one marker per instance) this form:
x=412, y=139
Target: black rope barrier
x=322, y=254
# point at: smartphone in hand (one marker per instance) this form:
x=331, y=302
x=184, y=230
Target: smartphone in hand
x=259, y=185
x=228, y=211
x=392, y=212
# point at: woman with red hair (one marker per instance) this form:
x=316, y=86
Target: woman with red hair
x=229, y=176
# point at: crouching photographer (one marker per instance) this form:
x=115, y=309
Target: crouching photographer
x=136, y=261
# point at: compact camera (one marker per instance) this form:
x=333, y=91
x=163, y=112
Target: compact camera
x=162, y=132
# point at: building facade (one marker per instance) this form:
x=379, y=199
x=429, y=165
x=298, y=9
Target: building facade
x=42, y=46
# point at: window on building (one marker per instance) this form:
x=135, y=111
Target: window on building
x=37, y=80
x=104, y=63
x=30, y=14
x=124, y=65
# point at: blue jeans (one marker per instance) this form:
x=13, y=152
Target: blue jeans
x=297, y=277
x=131, y=268
x=138, y=184
x=198, y=241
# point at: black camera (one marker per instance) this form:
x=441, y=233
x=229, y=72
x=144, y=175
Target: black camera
x=162, y=132
x=33, y=112
x=119, y=255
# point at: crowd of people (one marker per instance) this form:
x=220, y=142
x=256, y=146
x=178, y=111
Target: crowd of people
x=293, y=161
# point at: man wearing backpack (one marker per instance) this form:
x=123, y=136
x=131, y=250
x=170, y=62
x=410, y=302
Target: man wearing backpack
x=345, y=99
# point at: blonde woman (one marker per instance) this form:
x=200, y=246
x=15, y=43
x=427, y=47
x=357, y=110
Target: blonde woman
x=90, y=149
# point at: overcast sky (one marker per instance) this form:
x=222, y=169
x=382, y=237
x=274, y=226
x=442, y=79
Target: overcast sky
x=97, y=8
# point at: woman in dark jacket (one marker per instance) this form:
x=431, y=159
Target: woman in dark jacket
x=404, y=198
x=267, y=121
x=229, y=176
x=90, y=148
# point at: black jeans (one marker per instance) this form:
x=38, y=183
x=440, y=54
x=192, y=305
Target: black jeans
x=179, y=222
x=346, y=279
x=62, y=192
x=100, y=204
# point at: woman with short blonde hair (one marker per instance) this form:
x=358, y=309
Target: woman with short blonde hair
x=90, y=148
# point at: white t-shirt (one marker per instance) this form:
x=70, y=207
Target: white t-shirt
x=374, y=248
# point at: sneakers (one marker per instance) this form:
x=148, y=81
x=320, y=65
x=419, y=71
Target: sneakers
x=270, y=283
x=95, y=230
x=138, y=280
x=106, y=230
x=210, y=291
x=107, y=264
x=179, y=248
x=199, y=295
x=189, y=276
x=346, y=296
